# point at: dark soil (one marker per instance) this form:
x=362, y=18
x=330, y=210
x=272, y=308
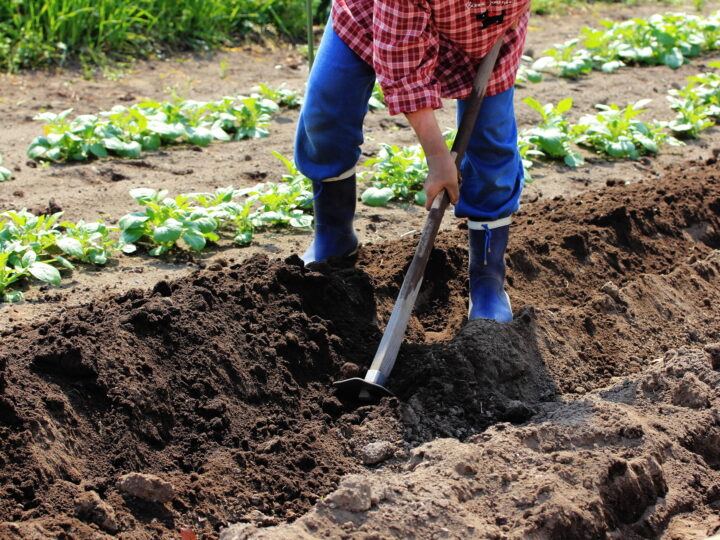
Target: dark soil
x=219, y=382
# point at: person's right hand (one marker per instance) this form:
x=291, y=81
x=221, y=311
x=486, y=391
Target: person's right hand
x=442, y=174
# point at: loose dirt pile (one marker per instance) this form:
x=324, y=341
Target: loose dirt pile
x=616, y=463
x=215, y=387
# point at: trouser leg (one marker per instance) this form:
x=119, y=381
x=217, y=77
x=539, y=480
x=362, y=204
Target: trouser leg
x=492, y=173
x=328, y=140
x=329, y=132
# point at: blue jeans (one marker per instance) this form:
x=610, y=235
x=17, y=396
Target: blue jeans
x=329, y=133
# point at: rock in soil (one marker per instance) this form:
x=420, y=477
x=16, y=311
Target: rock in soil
x=377, y=452
x=147, y=487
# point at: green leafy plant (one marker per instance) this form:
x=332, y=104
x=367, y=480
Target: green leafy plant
x=18, y=262
x=697, y=104
x=5, y=174
x=377, y=98
x=193, y=219
x=526, y=74
x=400, y=169
x=528, y=153
x=281, y=95
x=24, y=240
x=286, y=203
x=166, y=221
x=617, y=133
x=669, y=39
x=88, y=242
x=21, y=227
x=565, y=59
x=553, y=138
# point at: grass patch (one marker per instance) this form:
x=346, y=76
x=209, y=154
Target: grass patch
x=35, y=33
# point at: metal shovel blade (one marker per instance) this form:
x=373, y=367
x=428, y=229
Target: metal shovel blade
x=362, y=390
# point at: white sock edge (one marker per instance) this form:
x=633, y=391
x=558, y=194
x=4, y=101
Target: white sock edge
x=480, y=225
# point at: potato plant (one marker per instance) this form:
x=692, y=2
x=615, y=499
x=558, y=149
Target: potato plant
x=396, y=173
x=90, y=243
x=565, y=60
x=146, y=126
x=194, y=219
x=617, y=133
x=553, y=138
x=526, y=74
x=18, y=262
x=697, y=104
x=34, y=246
x=377, y=99
x=669, y=39
x=166, y=221
x=281, y=95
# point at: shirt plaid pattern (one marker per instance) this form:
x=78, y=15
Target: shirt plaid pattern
x=425, y=50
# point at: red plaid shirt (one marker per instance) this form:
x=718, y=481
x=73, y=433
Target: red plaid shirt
x=423, y=50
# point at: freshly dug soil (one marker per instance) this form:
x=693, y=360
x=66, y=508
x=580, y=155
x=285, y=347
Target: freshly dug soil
x=618, y=463
x=216, y=386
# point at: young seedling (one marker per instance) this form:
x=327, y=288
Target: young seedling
x=166, y=221
x=128, y=131
x=697, y=105
x=553, y=137
x=565, y=60
x=88, y=242
x=377, y=99
x=17, y=262
x=526, y=74
x=617, y=133
x=281, y=95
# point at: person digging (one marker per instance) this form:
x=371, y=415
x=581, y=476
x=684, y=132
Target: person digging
x=420, y=52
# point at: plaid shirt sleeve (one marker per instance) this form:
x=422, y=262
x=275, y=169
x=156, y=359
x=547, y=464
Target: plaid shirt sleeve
x=405, y=55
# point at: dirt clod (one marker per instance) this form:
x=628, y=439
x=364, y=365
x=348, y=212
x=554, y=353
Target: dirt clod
x=691, y=392
x=147, y=487
x=353, y=495
x=90, y=507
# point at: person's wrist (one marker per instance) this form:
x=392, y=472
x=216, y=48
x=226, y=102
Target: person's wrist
x=439, y=156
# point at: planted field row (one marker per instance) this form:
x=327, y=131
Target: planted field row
x=128, y=131
x=40, y=246
x=614, y=132
x=669, y=39
x=617, y=132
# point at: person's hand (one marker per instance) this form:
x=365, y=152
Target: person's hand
x=442, y=174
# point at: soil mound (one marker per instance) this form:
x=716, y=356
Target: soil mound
x=618, y=463
x=216, y=386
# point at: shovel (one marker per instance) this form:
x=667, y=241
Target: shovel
x=372, y=387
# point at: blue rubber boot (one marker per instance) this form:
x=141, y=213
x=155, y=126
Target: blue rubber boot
x=334, y=208
x=488, y=299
